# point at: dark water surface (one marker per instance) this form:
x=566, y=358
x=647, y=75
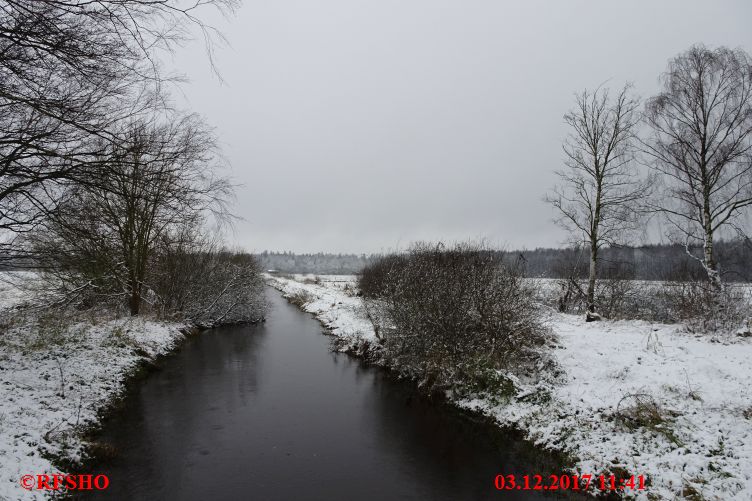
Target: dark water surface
x=267, y=412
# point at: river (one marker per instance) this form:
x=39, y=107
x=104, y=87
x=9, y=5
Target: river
x=268, y=412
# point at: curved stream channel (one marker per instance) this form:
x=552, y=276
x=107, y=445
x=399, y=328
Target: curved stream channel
x=268, y=412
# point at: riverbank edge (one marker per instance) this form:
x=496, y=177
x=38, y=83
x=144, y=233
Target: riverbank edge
x=95, y=450
x=145, y=344
x=60, y=377
x=548, y=461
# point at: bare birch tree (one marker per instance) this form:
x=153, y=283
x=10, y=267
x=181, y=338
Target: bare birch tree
x=600, y=189
x=700, y=145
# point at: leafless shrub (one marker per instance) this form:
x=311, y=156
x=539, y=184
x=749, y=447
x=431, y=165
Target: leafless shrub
x=616, y=298
x=637, y=410
x=198, y=280
x=377, y=313
x=357, y=346
x=350, y=289
x=702, y=307
x=695, y=303
x=453, y=314
x=300, y=298
x=374, y=280
x=615, y=294
x=640, y=410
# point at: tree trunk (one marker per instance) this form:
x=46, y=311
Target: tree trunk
x=711, y=267
x=594, y=235
x=591, y=279
x=135, y=299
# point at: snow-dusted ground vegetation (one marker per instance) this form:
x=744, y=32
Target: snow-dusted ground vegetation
x=56, y=375
x=622, y=397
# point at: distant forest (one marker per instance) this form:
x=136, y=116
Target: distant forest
x=319, y=263
x=646, y=262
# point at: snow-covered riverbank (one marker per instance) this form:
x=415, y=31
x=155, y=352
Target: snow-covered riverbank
x=695, y=392
x=55, y=378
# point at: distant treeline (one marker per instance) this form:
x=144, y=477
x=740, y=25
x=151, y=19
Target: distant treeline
x=319, y=263
x=646, y=262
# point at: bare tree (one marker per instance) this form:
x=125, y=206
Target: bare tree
x=69, y=70
x=700, y=145
x=600, y=190
x=156, y=178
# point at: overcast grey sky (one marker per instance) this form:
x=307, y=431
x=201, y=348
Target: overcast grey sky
x=361, y=126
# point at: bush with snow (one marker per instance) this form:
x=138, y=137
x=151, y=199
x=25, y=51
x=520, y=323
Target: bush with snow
x=694, y=303
x=453, y=317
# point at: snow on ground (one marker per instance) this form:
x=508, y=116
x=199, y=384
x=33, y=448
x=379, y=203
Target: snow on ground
x=701, y=443
x=330, y=302
x=55, y=377
x=15, y=288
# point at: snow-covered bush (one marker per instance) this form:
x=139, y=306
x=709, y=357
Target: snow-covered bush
x=374, y=278
x=695, y=303
x=454, y=315
x=615, y=299
x=188, y=278
x=702, y=307
x=617, y=295
x=206, y=284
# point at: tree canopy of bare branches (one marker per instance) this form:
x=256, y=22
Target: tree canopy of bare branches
x=69, y=71
x=600, y=192
x=700, y=146
x=158, y=178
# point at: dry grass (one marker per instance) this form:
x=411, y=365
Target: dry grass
x=640, y=410
x=300, y=298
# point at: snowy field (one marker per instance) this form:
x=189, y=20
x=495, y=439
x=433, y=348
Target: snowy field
x=54, y=378
x=696, y=392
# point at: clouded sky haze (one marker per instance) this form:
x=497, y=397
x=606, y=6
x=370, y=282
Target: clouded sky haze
x=361, y=126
